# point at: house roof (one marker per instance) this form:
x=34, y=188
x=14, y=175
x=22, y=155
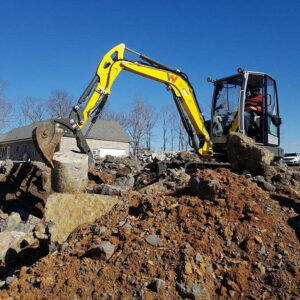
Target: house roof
x=101, y=130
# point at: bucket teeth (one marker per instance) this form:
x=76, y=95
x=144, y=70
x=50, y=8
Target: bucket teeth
x=46, y=137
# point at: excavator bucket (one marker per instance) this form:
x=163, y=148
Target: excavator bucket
x=46, y=136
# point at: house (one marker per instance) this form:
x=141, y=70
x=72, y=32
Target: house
x=105, y=137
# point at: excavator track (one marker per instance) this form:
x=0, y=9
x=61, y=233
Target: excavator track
x=204, y=164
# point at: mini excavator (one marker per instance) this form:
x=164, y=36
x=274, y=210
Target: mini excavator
x=207, y=138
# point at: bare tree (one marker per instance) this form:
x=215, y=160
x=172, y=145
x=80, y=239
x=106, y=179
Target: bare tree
x=32, y=110
x=181, y=132
x=120, y=117
x=173, y=119
x=165, y=112
x=59, y=104
x=186, y=141
x=139, y=122
x=5, y=108
x=150, y=118
x=136, y=123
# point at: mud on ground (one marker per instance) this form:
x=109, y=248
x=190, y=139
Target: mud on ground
x=238, y=242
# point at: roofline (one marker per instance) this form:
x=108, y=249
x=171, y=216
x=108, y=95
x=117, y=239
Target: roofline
x=68, y=136
x=14, y=141
x=93, y=138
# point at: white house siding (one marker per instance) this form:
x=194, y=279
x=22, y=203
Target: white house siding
x=23, y=150
x=69, y=143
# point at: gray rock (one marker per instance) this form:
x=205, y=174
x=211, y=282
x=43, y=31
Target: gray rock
x=279, y=265
x=126, y=181
x=227, y=243
x=159, y=156
x=210, y=268
x=3, y=226
x=9, y=279
x=125, y=223
x=91, y=187
x=262, y=250
x=258, y=178
x=203, y=188
x=64, y=246
x=13, y=221
x=102, y=229
x=196, y=291
x=160, y=167
x=213, y=183
x=154, y=240
x=34, y=220
x=109, y=159
x=6, y=166
x=156, y=285
x=264, y=185
x=198, y=258
x=95, y=295
x=103, y=250
x=112, y=190
x=23, y=227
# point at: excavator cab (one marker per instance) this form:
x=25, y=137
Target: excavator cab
x=248, y=103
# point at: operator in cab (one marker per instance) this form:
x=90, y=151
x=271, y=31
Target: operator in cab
x=253, y=103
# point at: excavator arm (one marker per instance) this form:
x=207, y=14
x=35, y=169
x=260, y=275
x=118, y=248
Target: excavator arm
x=98, y=91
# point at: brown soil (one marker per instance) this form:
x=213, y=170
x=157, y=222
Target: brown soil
x=98, y=177
x=242, y=245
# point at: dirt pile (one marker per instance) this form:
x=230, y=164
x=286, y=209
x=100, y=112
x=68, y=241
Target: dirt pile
x=219, y=236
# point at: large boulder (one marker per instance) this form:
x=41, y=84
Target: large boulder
x=65, y=212
x=12, y=242
x=70, y=172
x=244, y=154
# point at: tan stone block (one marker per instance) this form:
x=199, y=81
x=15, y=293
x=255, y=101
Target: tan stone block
x=68, y=211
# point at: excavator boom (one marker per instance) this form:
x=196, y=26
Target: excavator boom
x=99, y=89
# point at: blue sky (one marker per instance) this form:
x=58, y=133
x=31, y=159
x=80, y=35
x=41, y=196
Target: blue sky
x=46, y=45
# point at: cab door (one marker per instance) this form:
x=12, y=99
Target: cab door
x=272, y=118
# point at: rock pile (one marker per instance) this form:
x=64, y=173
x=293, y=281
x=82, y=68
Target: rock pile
x=177, y=231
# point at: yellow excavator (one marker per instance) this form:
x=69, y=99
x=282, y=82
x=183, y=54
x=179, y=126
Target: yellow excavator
x=207, y=138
